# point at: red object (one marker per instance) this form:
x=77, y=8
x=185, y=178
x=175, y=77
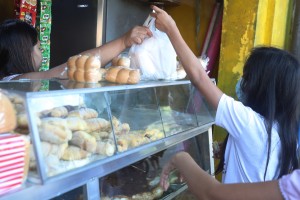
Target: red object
x=25, y=10
x=12, y=161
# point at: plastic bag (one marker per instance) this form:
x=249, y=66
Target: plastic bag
x=155, y=57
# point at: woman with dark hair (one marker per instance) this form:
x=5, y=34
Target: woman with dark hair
x=263, y=128
x=20, y=55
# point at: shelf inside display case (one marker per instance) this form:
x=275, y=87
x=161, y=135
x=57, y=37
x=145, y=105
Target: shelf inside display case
x=85, y=133
x=140, y=180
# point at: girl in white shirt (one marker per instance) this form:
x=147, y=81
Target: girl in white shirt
x=263, y=128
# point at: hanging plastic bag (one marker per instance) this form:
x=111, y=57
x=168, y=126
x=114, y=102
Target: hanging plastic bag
x=155, y=57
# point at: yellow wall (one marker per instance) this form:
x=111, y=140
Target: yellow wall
x=273, y=25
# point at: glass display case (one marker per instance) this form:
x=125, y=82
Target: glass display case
x=82, y=132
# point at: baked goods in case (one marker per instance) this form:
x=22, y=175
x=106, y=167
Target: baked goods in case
x=97, y=124
x=106, y=148
x=84, y=141
x=84, y=113
x=54, y=130
x=74, y=153
x=8, y=120
x=76, y=124
x=59, y=112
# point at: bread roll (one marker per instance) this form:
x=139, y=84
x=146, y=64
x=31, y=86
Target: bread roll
x=122, y=76
x=96, y=124
x=123, y=61
x=79, y=75
x=101, y=135
x=59, y=112
x=92, y=76
x=54, y=130
x=76, y=124
x=111, y=74
x=92, y=63
x=83, y=113
x=106, y=148
x=134, y=77
x=72, y=66
x=74, y=153
x=8, y=119
x=80, y=62
x=84, y=141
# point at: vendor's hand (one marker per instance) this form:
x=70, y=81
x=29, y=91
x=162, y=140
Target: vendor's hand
x=164, y=177
x=164, y=21
x=136, y=35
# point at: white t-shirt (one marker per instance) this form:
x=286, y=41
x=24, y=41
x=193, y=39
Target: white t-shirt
x=247, y=146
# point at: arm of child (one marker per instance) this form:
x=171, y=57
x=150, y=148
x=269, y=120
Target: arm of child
x=204, y=186
x=191, y=64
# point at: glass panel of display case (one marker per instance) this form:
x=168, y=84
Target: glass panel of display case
x=177, y=111
x=135, y=117
x=204, y=112
x=140, y=181
x=74, y=130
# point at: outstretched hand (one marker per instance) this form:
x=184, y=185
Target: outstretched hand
x=164, y=21
x=136, y=35
x=164, y=177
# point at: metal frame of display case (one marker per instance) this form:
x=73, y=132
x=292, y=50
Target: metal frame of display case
x=88, y=175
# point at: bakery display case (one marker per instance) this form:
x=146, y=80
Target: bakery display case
x=80, y=134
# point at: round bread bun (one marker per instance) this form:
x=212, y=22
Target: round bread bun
x=8, y=119
x=123, y=76
x=80, y=61
x=112, y=72
x=92, y=63
x=79, y=75
x=134, y=76
x=71, y=73
x=71, y=61
x=92, y=76
x=123, y=61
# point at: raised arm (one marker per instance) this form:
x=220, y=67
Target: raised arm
x=107, y=52
x=191, y=64
x=206, y=187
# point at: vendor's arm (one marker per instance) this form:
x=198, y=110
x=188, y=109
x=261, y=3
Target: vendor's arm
x=113, y=48
x=191, y=64
x=56, y=72
x=205, y=186
x=107, y=52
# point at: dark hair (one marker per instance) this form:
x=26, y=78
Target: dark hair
x=17, y=39
x=271, y=87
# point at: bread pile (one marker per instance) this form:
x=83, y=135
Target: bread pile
x=87, y=69
x=84, y=68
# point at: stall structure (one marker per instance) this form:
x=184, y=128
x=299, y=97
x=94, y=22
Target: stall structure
x=107, y=141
